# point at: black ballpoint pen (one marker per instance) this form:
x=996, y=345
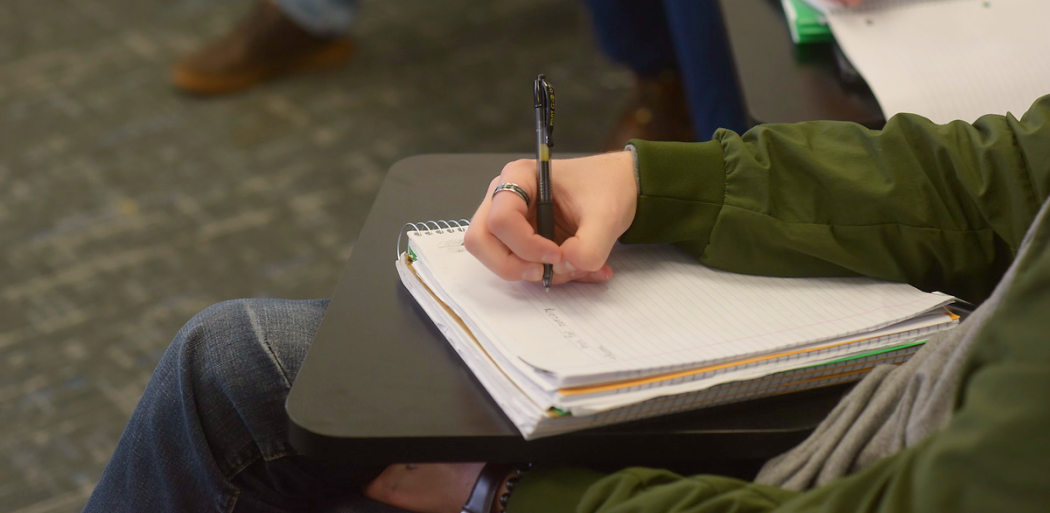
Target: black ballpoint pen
x=543, y=98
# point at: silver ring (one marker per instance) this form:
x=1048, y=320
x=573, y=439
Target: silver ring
x=507, y=186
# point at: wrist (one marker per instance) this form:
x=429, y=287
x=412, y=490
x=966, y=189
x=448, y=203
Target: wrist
x=682, y=189
x=507, y=486
x=621, y=170
x=499, y=503
x=634, y=168
x=493, y=488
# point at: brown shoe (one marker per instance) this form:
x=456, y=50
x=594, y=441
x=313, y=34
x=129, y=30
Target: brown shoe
x=657, y=111
x=266, y=45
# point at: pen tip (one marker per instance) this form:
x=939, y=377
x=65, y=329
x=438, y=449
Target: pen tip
x=546, y=287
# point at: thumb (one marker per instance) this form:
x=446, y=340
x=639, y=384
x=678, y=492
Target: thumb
x=589, y=248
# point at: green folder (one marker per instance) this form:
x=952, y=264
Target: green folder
x=807, y=24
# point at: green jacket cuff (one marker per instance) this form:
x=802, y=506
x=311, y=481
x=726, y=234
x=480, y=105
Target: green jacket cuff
x=557, y=490
x=681, y=191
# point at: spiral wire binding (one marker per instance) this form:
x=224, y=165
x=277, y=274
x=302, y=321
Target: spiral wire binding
x=428, y=228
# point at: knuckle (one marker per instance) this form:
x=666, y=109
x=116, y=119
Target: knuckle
x=499, y=221
x=516, y=166
x=589, y=260
x=471, y=241
x=507, y=272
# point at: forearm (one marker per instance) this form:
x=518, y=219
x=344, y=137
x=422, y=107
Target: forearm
x=940, y=206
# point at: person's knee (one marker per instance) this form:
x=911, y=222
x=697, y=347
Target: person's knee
x=231, y=341
x=224, y=379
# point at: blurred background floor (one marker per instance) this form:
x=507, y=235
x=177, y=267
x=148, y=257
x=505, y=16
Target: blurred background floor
x=125, y=207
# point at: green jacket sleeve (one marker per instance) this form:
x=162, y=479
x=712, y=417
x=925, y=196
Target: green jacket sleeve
x=640, y=490
x=992, y=456
x=940, y=206
x=944, y=207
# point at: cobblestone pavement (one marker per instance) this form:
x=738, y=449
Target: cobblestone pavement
x=125, y=207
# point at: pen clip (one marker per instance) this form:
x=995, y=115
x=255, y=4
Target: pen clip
x=543, y=98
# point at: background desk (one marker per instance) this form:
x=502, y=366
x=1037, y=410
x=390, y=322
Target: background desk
x=381, y=385
x=784, y=83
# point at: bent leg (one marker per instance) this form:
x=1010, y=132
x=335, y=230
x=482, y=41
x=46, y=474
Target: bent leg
x=322, y=18
x=634, y=34
x=210, y=432
x=706, y=66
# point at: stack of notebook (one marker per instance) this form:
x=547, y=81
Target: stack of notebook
x=665, y=335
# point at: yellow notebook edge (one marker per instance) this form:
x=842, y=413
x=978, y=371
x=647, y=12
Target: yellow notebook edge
x=799, y=384
x=590, y=389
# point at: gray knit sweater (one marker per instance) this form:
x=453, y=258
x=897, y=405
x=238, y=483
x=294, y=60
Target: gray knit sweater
x=891, y=408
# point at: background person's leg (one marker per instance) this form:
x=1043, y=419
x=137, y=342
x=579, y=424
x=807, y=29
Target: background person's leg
x=323, y=18
x=705, y=65
x=210, y=432
x=277, y=38
x=636, y=34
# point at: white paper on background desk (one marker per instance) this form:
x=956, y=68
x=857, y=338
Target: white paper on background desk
x=949, y=59
x=823, y=5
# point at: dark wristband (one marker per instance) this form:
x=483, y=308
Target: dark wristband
x=484, y=493
x=489, y=482
x=512, y=481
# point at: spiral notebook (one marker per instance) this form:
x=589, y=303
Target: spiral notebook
x=666, y=334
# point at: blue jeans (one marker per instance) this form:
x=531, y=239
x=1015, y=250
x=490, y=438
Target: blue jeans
x=686, y=36
x=210, y=432
x=325, y=18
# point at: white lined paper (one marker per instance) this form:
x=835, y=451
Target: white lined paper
x=948, y=59
x=662, y=312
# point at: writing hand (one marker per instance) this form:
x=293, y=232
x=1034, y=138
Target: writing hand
x=849, y=3
x=594, y=201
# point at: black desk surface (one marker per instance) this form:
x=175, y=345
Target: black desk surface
x=381, y=385
x=784, y=83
